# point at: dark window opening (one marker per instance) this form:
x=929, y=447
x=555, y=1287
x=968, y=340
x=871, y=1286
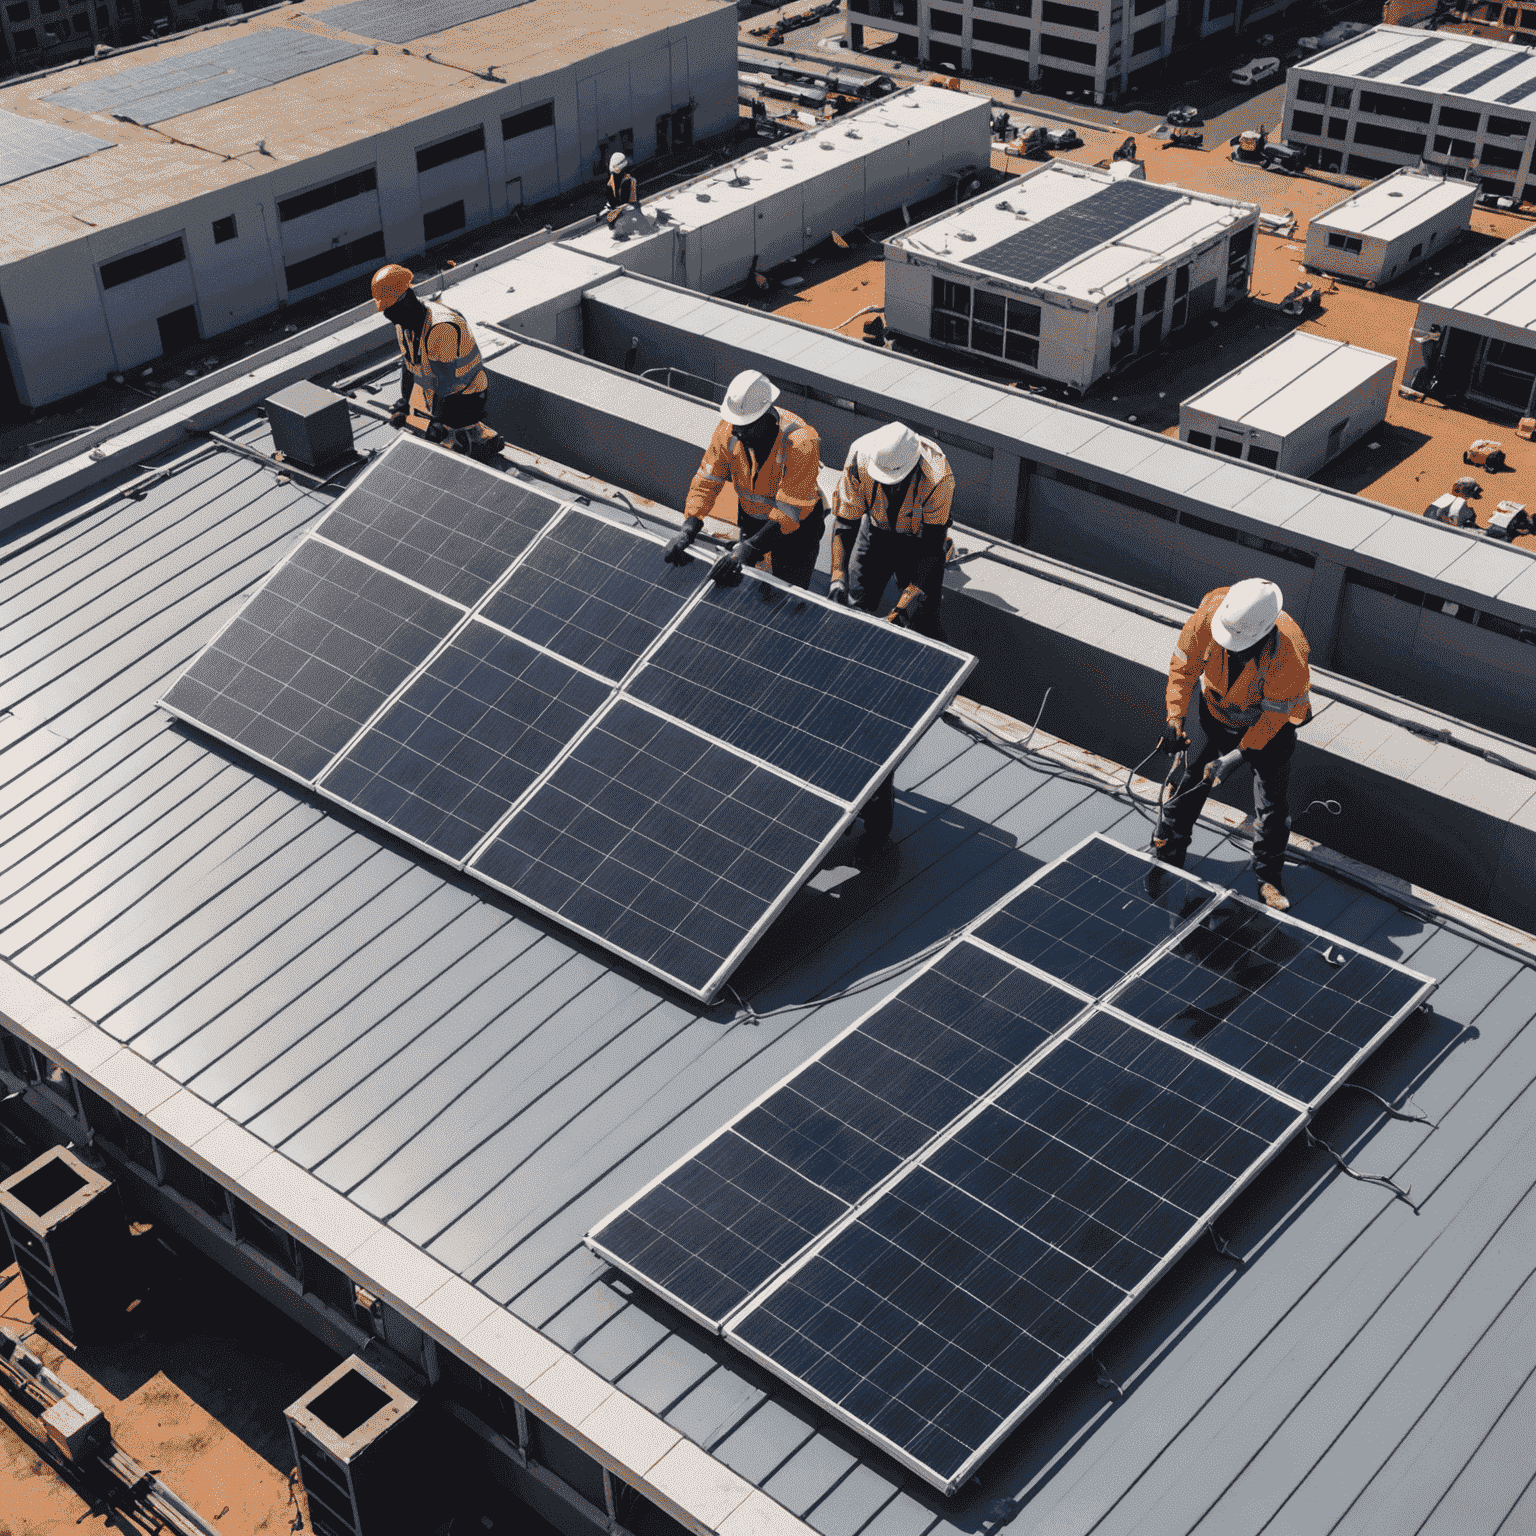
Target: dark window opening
x=1338, y=128
x=945, y=21
x=1225, y=445
x=1349, y=243
x=954, y=330
x=443, y=221
x=193, y=1184
x=1454, y=117
x=338, y=259
x=528, y=121
x=1070, y=16
x=179, y=330
x=224, y=229
x=955, y=297
x=265, y=1236
x=1342, y=96
x=142, y=263
x=1395, y=106
x=1198, y=439
x=458, y=148
x=1147, y=39
x=1311, y=90
x=1069, y=48
x=1023, y=350
x=1310, y=123
x=1023, y=317
x=1506, y=127
x=332, y=192
x=1002, y=34
x=1155, y=296
x=22, y=12
x=1265, y=458
x=1397, y=139
x=1125, y=312
x=1505, y=159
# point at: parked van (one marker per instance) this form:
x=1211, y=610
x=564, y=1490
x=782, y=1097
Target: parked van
x=1255, y=71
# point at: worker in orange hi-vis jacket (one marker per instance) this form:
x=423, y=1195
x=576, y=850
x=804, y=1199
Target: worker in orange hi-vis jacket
x=772, y=457
x=1247, y=660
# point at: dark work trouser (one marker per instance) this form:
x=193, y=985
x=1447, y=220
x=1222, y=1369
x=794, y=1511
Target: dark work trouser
x=881, y=554
x=1208, y=740
x=794, y=554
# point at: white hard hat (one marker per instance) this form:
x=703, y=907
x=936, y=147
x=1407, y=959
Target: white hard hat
x=890, y=452
x=749, y=395
x=616, y=163
x=1247, y=613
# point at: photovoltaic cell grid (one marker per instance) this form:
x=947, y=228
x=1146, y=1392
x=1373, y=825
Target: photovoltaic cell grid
x=927, y=1254
x=1285, y=1005
x=28, y=146
x=729, y=1216
x=965, y=1289
x=447, y=525
x=1392, y=60
x=402, y=21
x=309, y=659
x=151, y=93
x=1051, y=242
x=795, y=683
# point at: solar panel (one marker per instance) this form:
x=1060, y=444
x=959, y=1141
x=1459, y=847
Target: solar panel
x=594, y=593
x=939, y=1317
x=1045, y=244
x=477, y=725
x=1292, y=1007
x=309, y=658
x=440, y=524
x=184, y=82
x=28, y=146
x=1446, y=65
x=1518, y=92
x=403, y=21
x=1090, y=918
x=661, y=844
x=706, y=1235
x=1392, y=60
x=1500, y=66
x=795, y=683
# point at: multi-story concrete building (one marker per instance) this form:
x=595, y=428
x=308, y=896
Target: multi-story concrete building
x=1397, y=96
x=1102, y=46
x=178, y=191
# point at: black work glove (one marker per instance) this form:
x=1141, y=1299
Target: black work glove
x=1173, y=738
x=676, y=552
x=1222, y=767
x=838, y=592
x=726, y=571
x=898, y=617
x=398, y=412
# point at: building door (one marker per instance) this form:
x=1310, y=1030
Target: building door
x=178, y=330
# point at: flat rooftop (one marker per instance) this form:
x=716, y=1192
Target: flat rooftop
x=1396, y=204
x=1501, y=286
x=285, y=77
x=1285, y=386
x=1073, y=229
x=1477, y=69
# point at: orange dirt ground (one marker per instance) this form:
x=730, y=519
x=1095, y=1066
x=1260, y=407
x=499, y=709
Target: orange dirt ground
x=1417, y=452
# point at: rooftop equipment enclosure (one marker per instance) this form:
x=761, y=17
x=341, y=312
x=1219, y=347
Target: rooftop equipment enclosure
x=1388, y=228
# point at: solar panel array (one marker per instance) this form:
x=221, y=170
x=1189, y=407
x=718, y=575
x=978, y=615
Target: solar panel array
x=530, y=693
x=184, y=82
x=926, y=1226
x=403, y=21
x=1046, y=244
x=28, y=146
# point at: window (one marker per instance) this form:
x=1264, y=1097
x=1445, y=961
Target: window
x=1366, y=168
x=1389, y=138
x=1341, y=96
x=1155, y=296
x=955, y=297
x=1454, y=117
x=1024, y=318
x=22, y=12
x=339, y=258
x=443, y=221
x=1240, y=244
x=142, y=263
x=458, y=148
x=48, y=7
x=26, y=39
x=1181, y=282
x=1307, y=122
x=1000, y=32
x=955, y=330
x=988, y=315
x=332, y=192
x=944, y=21
x=1226, y=446
x=1338, y=242
x=1458, y=149
x=1023, y=350
x=1265, y=458
x=1070, y=16
x=1311, y=90
x=1508, y=127
x=1497, y=155
x=265, y=1236
x=1069, y=48
x=1394, y=106
x=224, y=229
x=1416, y=252
x=529, y=121
x=1143, y=6
x=1198, y=439
x=1147, y=39
x=1338, y=127
x=1125, y=312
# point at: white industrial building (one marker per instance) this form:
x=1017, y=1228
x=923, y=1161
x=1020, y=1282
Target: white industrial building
x=1389, y=227
x=1097, y=46
x=171, y=193
x=1070, y=271
x=776, y=203
x=1397, y=96
x=1475, y=333
x=1294, y=407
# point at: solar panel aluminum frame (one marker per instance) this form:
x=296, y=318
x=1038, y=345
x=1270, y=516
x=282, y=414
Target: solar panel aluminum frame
x=593, y=1240
x=307, y=537
x=947, y=1485
x=1427, y=985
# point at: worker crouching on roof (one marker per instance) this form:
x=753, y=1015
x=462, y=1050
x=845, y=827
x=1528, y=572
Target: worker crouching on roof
x=1250, y=659
x=442, y=380
x=622, y=192
x=892, y=508
x=772, y=458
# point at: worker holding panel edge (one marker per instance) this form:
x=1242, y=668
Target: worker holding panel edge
x=1250, y=659
x=772, y=457
x=622, y=192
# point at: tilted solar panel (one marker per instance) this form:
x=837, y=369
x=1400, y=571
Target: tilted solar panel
x=403, y=21
x=28, y=145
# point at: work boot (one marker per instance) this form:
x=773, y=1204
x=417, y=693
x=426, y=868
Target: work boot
x=1164, y=852
x=488, y=449
x=1273, y=896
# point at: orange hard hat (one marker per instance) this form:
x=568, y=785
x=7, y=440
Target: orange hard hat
x=390, y=284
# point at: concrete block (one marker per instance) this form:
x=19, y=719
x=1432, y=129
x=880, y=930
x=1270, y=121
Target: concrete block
x=456, y=1308
x=230, y=1149
x=131, y=1080
x=631, y=1435
x=569, y=1390
x=510, y=1348
x=398, y=1269
x=697, y=1487
x=303, y=1202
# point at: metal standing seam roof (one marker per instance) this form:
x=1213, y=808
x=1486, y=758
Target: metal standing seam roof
x=1396, y=205
x=1499, y=286
x=1482, y=70
x=1291, y=383
x=466, y=1073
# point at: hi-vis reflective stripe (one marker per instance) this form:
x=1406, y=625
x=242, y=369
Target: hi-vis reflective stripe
x=1179, y=655
x=1285, y=706
x=704, y=474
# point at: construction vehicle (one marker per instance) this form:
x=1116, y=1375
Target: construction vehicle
x=1184, y=138
x=1454, y=510
x=1486, y=453
x=1248, y=145
x=1508, y=522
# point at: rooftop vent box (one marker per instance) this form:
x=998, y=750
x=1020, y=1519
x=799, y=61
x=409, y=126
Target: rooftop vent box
x=311, y=427
x=70, y=1236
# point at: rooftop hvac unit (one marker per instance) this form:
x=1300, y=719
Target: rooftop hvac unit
x=311, y=427
x=1451, y=509
x=66, y=1225
x=356, y=1438
x=1508, y=522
